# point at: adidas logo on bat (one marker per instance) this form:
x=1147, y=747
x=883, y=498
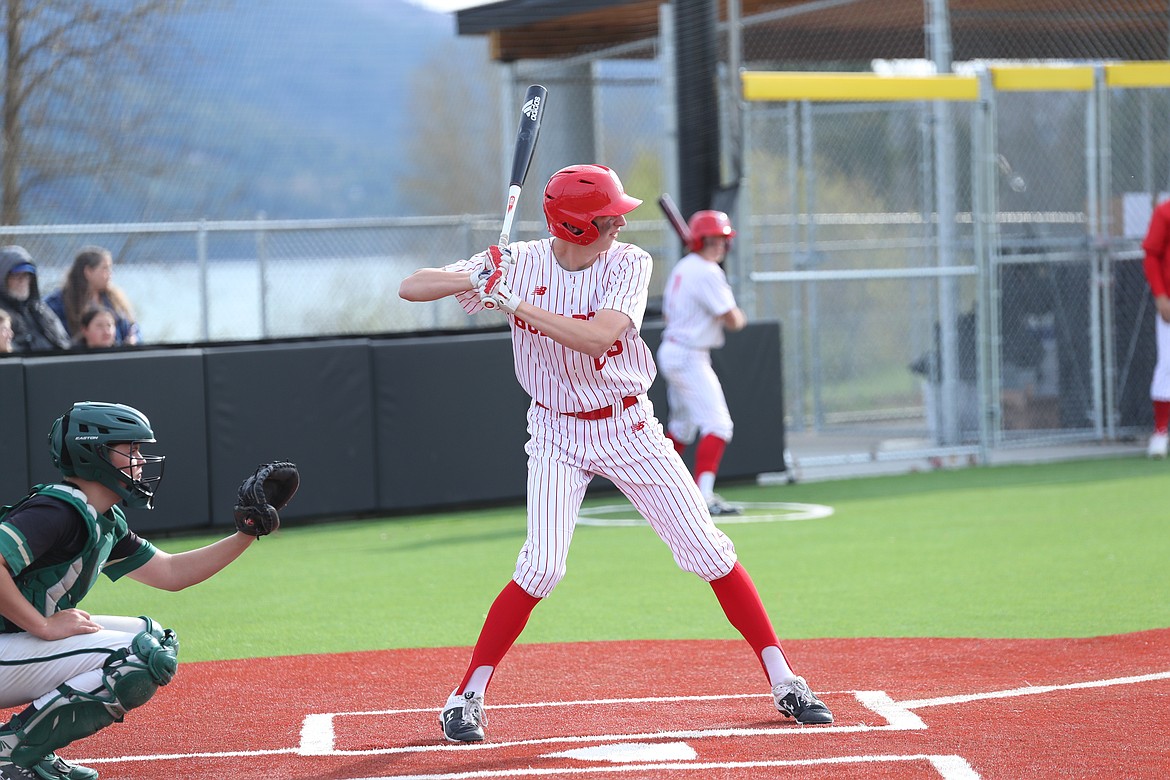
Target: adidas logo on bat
x=531, y=108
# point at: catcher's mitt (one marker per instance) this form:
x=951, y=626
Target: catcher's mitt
x=263, y=494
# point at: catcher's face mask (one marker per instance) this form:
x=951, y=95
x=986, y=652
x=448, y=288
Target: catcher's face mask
x=138, y=474
x=100, y=442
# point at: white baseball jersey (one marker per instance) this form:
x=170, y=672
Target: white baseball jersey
x=562, y=379
x=629, y=447
x=696, y=296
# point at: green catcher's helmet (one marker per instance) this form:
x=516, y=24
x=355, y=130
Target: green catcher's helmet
x=80, y=441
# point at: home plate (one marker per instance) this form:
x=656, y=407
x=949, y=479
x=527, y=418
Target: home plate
x=631, y=751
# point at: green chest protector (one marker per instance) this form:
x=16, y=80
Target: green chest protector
x=62, y=585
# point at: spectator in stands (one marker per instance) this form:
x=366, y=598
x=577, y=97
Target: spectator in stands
x=88, y=284
x=99, y=329
x=5, y=332
x=35, y=327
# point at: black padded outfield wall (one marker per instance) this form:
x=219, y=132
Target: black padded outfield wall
x=377, y=426
x=166, y=386
x=450, y=421
x=14, y=449
x=307, y=402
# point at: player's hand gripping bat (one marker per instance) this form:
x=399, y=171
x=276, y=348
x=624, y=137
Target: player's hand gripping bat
x=670, y=209
x=531, y=112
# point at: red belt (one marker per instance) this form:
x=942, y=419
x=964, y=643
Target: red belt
x=603, y=413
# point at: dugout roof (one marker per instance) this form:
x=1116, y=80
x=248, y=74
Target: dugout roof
x=826, y=31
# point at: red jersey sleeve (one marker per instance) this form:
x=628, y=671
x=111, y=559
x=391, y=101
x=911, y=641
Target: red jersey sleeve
x=1157, y=263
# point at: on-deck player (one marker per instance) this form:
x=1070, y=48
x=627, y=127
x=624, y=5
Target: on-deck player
x=575, y=303
x=698, y=305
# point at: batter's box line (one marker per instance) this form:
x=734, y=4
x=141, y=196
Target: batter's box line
x=315, y=726
x=1032, y=690
x=948, y=767
x=318, y=736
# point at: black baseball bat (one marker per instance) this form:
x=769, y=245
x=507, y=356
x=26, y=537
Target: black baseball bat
x=674, y=216
x=531, y=112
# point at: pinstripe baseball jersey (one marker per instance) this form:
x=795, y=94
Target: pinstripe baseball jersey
x=557, y=377
x=695, y=296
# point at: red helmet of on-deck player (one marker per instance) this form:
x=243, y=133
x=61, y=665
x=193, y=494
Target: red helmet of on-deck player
x=577, y=195
x=709, y=223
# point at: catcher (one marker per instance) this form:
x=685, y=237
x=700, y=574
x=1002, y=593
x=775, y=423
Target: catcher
x=73, y=672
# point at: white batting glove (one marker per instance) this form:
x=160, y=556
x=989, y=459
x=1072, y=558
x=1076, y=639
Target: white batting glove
x=496, y=257
x=478, y=276
x=499, y=257
x=495, y=293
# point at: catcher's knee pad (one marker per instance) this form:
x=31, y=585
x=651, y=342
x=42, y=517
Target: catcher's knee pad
x=134, y=674
x=129, y=679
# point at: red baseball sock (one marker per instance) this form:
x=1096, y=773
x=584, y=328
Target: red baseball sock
x=505, y=620
x=1161, y=416
x=741, y=603
x=708, y=454
x=679, y=446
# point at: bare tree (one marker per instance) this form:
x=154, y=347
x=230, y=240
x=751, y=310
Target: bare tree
x=63, y=114
x=455, y=153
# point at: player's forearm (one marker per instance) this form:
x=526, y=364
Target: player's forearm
x=1162, y=303
x=431, y=284
x=182, y=570
x=734, y=319
x=591, y=337
x=15, y=607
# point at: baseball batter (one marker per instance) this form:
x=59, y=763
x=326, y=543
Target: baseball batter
x=698, y=305
x=575, y=303
x=78, y=673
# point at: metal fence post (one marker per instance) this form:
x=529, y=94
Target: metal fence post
x=986, y=236
x=204, y=286
x=808, y=163
x=1108, y=378
x=1096, y=236
x=795, y=312
x=262, y=257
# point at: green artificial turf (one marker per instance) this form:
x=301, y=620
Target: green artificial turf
x=1067, y=549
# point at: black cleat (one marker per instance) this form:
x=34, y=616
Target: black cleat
x=14, y=772
x=796, y=700
x=465, y=723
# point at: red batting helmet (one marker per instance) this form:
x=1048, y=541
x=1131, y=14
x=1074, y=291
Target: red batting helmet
x=577, y=195
x=709, y=223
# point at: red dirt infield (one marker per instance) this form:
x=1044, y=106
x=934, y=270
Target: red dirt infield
x=905, y=708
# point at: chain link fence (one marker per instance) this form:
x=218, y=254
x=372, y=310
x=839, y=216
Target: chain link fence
x=954, y=274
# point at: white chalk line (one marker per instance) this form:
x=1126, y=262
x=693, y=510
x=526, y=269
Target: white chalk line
x=1032, y=690
x=624, y=515
x=317, y=729
x=948, y=767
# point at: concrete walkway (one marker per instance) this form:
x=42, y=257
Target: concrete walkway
x=815, y=456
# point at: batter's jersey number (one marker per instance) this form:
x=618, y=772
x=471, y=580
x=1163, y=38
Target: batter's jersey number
x=599, y=362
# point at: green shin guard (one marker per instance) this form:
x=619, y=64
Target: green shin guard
x=130, y=678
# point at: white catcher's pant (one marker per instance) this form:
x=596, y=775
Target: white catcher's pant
x=1160, y=384
x=631, y=451
x=31, y=667
x=697, y=403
